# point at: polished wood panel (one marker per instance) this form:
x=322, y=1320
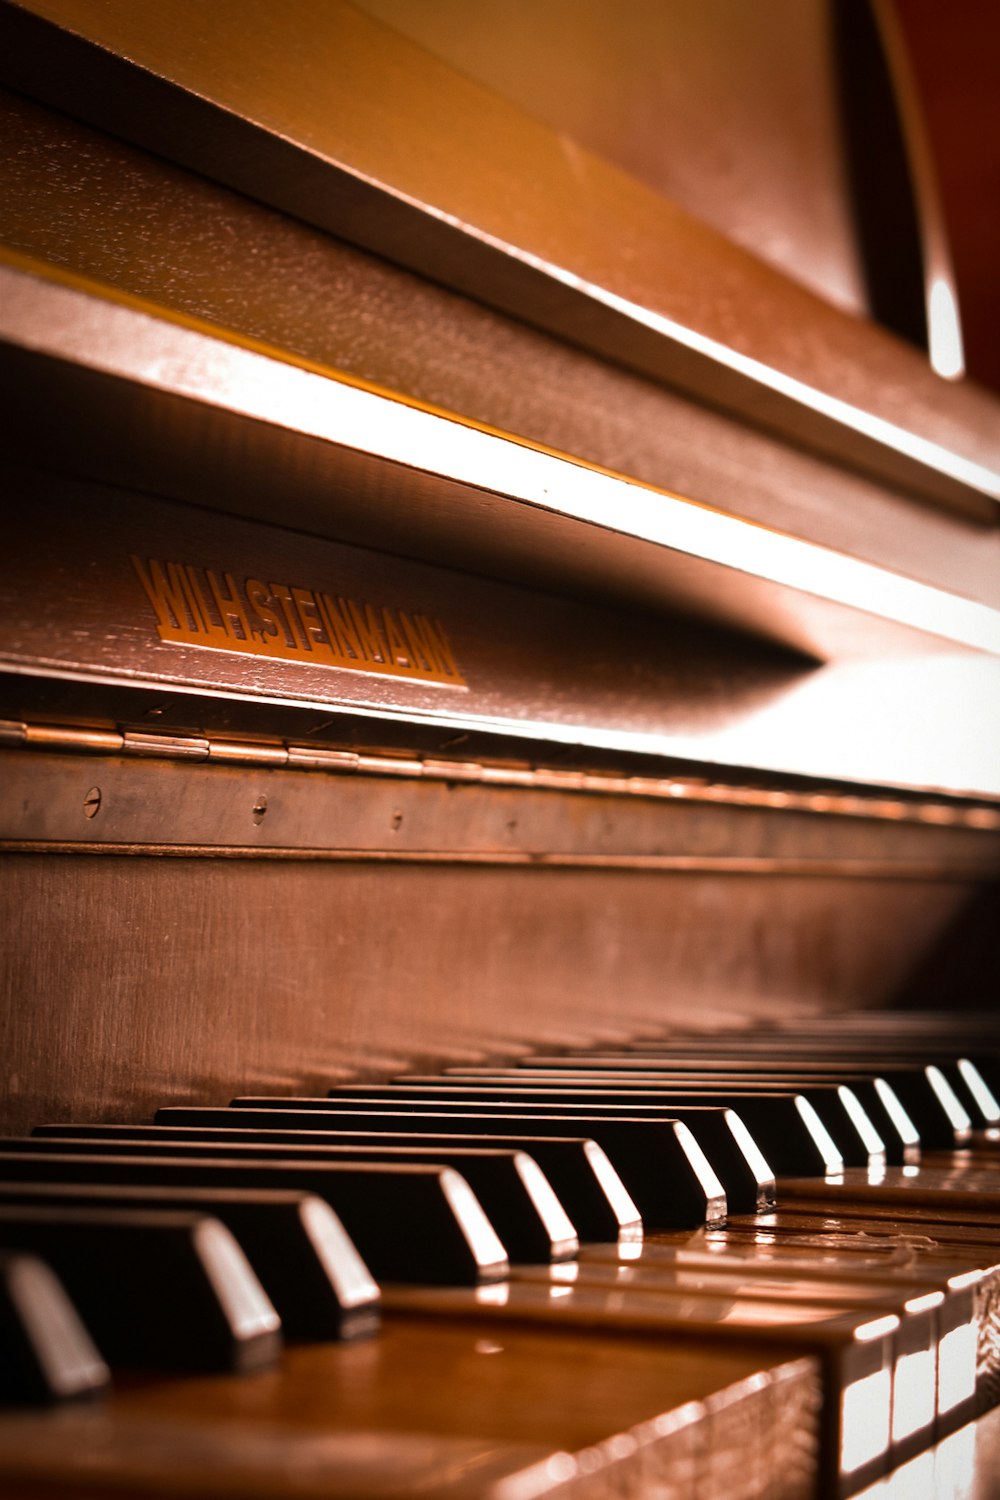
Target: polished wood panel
x=76, y=198
x=727, y=110
x=133, y=982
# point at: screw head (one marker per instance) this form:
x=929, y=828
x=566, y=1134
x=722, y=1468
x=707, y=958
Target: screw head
x=92, y=802
x=259, y=808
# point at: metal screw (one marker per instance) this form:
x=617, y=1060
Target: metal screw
x=260, y=808
x=397, y=819
x=92, y=802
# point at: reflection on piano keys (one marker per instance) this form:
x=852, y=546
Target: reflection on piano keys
x=892, y=1318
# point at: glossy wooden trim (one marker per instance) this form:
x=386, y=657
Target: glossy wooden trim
x=380, y=451
x=427, y=168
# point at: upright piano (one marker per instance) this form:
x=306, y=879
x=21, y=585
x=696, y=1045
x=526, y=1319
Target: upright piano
x=495, y=571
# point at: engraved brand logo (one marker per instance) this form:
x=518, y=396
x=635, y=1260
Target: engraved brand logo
x=199, y=607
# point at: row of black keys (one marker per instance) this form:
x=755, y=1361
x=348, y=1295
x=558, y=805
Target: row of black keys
x=194, y=1242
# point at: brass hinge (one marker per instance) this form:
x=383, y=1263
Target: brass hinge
x=277, y=754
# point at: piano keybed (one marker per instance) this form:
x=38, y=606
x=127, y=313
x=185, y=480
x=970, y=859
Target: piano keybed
x=844, y=1321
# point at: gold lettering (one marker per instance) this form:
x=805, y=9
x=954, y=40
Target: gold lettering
x=421, y=647
x=200, y=623
x=163, y=593
x=442, y=646
x=230, y=606
x=259, y=600
x=366, y=625
x=339, y=628
x=394, y=640
x=293, y=630
x=308, y=613
x=201, y=607
x=215, y=632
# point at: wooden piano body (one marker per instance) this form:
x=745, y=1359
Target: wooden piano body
x=455, y=601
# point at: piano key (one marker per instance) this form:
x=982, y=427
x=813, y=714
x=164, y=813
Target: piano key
x=965, y=1270
x=166, y=1290
x=745, y=1175
x=408, y=1223
x=898, y=1045
x=816, y=1226
x=967, y=1278
x=510, y=1185
x=925, y=1194
x=929, y=1101
x=47, y=1353
x=911, y=1236
x=898, y=1136
x=857, y=1352
x=299, y=1251
x=933, y=1105
x=841, y=1113
x=784, y=1125
x=906, y=1242
x=809, y=1246
x=458, y=1410
x=662, y=1166
x=963, y=1076
x=920, y=1309
x=928, y=1096
x=973, y=1089
x=578, y=1169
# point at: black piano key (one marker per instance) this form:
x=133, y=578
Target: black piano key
x=897, y=1045
x=935, y=1108
x=663, y=1169
x=928, y=1100
x=512, y=1188
x=786, y=1128
x=579, y=1170
x=733, y=1152
x=745, y=1175
x=974, y=1091
x=897, y=1135
x=850, y=1130
x=161, y=1290
x=46, y=1354
x=987, y=1065
x=299, y=1251
x=411, y=1223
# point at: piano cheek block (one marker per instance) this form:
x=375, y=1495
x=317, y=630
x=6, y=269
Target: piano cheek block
x=160, y=1290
